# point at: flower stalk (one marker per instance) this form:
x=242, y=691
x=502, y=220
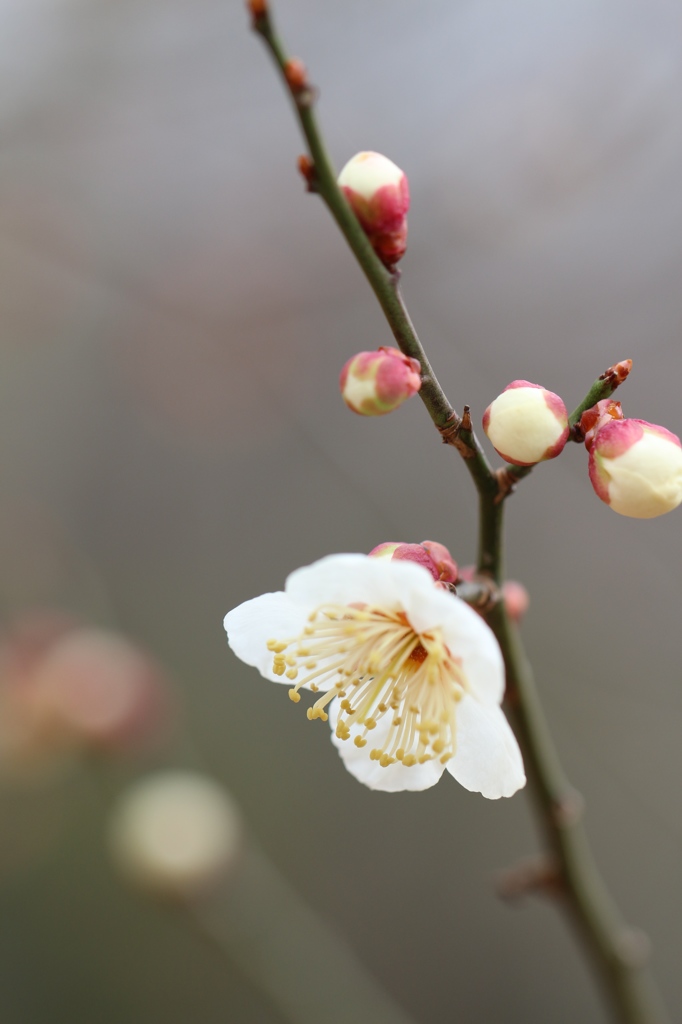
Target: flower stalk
x=570, y=874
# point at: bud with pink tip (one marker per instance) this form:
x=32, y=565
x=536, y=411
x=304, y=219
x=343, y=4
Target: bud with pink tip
x=636, y=468
x=526, y=424
x=379, y=196
x=374, y=383
x=434, y=557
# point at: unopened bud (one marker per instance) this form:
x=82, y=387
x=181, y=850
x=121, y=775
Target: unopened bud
x=526, y=424
x=636, y=468
x=175, y=834
x=374, y=383
x=257, y=8
x=445, y=564
x=516, y=599
x=379, y=196
x=296, y=75
x=433, y=557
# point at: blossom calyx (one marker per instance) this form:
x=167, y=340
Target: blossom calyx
x=374, y=383
x=598, y=416
x=434, y=557
x=636, y=468
x=526, y=424
x=378, y=193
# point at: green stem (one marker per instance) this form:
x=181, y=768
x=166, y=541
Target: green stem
x=615, y=951
x=602, y=388
x=384, y=284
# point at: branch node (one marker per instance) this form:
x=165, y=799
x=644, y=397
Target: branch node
x=258, y=9
x=480, y=593
x=307, y=171
x=568, y=809
x=452, y=431
x=506, y=484
x=539, y=875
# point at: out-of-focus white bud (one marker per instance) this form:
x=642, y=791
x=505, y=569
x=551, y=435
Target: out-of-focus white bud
x=379, y=195
x=636, y=468
x=374, y=383
x=175, y=833
x=526, y=423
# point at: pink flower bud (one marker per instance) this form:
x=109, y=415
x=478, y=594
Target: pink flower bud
x=374, y=383
x=434, y=557
x=526, y=424
x=443, y=561
x=636, y=468
x=379, y=196
x=516, y=599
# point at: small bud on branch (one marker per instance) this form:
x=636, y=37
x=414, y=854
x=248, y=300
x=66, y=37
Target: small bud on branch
x=375, y=383
x=526, y=424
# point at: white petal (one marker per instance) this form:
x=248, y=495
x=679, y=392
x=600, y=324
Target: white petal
x=395, y=777
x=345, y=579
x=488, y=759
x=268, y=617
x=472, y=640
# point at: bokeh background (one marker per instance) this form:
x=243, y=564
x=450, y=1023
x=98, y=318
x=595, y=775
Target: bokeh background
x=174, y=312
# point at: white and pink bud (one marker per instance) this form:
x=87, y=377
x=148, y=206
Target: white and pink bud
x=379, y=196
x=374, y=383
x=526, y=424
x=636, y=468
x=434, y=557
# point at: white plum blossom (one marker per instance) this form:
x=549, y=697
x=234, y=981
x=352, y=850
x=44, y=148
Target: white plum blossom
x=410, y=678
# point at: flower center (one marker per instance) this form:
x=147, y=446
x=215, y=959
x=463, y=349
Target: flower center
x=379, y=667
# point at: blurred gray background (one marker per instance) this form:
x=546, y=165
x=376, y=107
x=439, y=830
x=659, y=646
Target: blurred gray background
x=174, y=312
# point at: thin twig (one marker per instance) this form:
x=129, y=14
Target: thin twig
x=574, y=876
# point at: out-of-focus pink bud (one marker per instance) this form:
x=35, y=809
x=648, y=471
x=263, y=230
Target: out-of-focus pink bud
x=101, y=691
x=526, y=424
x=516, y=599
x=379, y=196
x=636, y=468
x=175, y=834
x=434, y=557
x=30, y=746
x=374, y=383
x=594, y=419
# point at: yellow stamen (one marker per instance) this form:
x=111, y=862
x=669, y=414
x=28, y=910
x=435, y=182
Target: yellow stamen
x=377, y=664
